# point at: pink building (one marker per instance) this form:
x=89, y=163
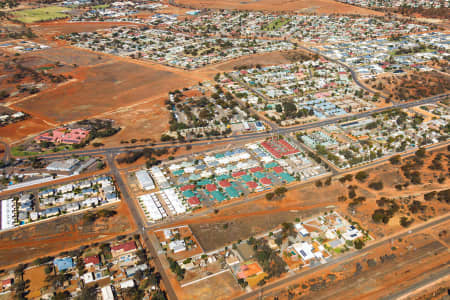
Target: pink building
x=64, y=136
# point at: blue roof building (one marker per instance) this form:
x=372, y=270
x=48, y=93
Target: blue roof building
x=63, y=264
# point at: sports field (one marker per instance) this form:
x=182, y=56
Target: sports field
x=40, y=14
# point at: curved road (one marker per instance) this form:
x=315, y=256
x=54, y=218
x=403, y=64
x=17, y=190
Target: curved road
x=354, y=75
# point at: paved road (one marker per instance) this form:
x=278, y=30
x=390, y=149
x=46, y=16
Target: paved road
x=352, y=72
x=141, y=224
x=272, y=124
x=291, y=279
x=7, y=153
x=248, y=136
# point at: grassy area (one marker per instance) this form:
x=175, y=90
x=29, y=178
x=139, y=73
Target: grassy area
x=45, y=68
x=40, y=14
x=100, y=6
x=276, y=24
x=17, y=151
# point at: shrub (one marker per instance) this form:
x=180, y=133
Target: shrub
x=376, y=185
x=359, y=244
x=280, y=191
x=429, y=196
x=361, y=176
x=342, y=198
x=398, y=187
x=351, y=194
x=395, y=160
x=405, y=222
x=270, y=196
x=444, y=196
x=421, y=153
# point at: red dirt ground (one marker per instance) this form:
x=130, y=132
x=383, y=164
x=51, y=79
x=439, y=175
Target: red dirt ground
x=36, y=276
x=103, y=88
x=23, y=129
x=64, y=27
x=306, y=6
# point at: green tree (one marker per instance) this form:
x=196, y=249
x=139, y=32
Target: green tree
x=359, y=244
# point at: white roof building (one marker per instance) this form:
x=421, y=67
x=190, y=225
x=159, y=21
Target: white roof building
x=159, y=177
x=305, y=250
x=302, y=230
x=145, y=181
x=352, y=233
x=107, y=293
x=87, y=277
x=152, y=207
x=167, y=233
x=177, y=246
x=329, y=234
x=172, y=199
x=7, y=214
x=63, y=165
x=127, y=284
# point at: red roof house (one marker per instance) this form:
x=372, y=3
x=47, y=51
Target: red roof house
x=211, y=187
x=279, y=148
x=238, y=174
x=278, y=169
x=252, y=184
x=193, y=201
x=7, y=283
x=224, y=183
x=187, y=187
x=123, y=248
x=257, y=169
x=265, y=181
x=94, y=260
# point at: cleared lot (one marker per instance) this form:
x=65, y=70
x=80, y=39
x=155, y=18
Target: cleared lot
x=102, y=88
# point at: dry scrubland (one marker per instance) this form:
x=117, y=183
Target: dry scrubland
x=306, y=6
x=208, y=289
x=130, y=92
x=411, y=86
x=215, y=234
x=63, y=27
x=264, y=59
x=100, y=89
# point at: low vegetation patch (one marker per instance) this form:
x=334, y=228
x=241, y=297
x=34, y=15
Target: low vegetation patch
x=40, y=14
